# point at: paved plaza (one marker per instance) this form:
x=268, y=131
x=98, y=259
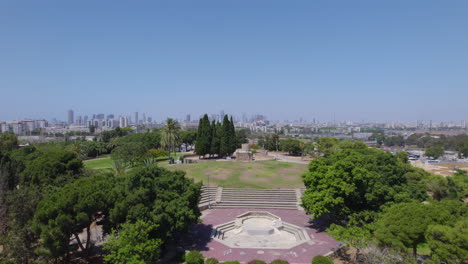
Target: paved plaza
x=200, y=238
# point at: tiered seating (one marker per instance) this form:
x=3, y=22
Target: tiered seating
x=208, y=196
x=258, y=198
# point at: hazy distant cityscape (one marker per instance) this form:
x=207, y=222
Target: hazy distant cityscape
x=254, y=122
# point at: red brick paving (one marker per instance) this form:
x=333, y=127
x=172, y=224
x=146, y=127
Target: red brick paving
x=199, y=238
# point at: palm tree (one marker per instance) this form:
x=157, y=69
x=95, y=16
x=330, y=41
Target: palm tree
x=170, y=137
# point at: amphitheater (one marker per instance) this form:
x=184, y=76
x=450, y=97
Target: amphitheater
x=266, y=224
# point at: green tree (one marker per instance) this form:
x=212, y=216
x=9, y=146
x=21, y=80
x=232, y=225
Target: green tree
x=133, y=244
x=170, y=135
x=204, y=134
x=54, y=167
x=292, y=146
x=403, y=226
x=448, y=244
x=357, y=179
x=157, y=195
x=129, y=153
x=188, y=137
x=215, y=138
x=8, y=142
x=232, y=137
x=21, y=242
x=226, y=138
x=434, y=152
x=327, y=146
x=194, y=257
x=70, y=210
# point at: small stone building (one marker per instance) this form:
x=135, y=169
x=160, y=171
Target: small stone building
x=244, y=153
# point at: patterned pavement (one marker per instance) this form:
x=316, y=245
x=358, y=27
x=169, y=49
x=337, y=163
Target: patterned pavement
x=199, y=238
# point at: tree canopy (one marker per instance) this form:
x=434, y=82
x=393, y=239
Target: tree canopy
x=357, y=179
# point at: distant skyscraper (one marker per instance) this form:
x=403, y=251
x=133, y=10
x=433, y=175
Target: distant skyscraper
x=71, y=119
x=187, y=119
x=123, y=121
x=136, y=118
x=100, y=116
x=111, y=116
x=150, y=119
x=79, y=120
x=85, y=120
x=144, y=118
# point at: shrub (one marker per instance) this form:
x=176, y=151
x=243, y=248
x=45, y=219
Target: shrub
x=194, y=257
x=256, y=261
x=211, y=261
x=279, y=261
x=321, y=260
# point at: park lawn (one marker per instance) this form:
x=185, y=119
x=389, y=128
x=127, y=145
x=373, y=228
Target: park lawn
x=103, y=162
x=106, y=162
x=258, y=174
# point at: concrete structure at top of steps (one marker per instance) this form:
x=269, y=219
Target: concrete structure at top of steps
x=218, y=197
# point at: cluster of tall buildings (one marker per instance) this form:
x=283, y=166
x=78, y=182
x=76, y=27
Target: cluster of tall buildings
x=105, y=121
x=23, y=126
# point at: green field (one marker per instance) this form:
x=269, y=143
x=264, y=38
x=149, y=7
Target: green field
x=103, y=162
x=260, y=174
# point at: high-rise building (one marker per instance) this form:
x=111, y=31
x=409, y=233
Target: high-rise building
x=123, y=121
x=187, y=118
x=150, y=119
x=144, y=118
x=79, y=120
x=136, y=118
x=85, y=120
x=71, y=119
x=100, y=116
x=111, y=116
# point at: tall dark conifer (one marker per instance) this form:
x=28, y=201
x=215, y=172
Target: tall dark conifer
x=233, y=138
x=225, y=146
x=215, y=139
x=202, y=146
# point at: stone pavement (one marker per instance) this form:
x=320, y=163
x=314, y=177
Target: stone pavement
x=199, y=238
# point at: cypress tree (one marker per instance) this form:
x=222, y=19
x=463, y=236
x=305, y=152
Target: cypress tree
x=225, y=146
x=233, y=138
x=202, y=146
x=215, y=138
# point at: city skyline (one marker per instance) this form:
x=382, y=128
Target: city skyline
x=330, y=61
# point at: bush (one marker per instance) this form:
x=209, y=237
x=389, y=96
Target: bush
x=279, y=261
x=322, y=260
x=194, y=257
x=256, y=261
x=211, y=261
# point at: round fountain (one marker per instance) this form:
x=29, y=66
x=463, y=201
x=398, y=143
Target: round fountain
x=259, y=230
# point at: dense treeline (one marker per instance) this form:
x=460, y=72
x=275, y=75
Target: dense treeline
x=378, y=201
x=215, y=138
x=49, y=204
x=454, y=143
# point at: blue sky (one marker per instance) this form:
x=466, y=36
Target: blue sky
x=362, y=60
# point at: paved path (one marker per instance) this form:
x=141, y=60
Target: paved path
x=199, y=238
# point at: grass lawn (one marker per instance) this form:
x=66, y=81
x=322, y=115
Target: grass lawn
x=260, y=174
x=103, y=162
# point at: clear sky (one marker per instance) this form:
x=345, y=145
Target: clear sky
x=362, y=60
